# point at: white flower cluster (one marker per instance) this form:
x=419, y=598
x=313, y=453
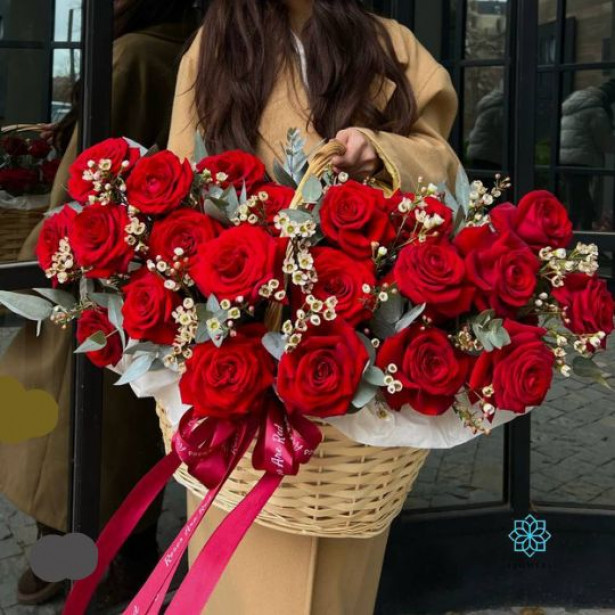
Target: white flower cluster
x=316, y=311
x=558, y=262
x=62, y=263
x=271, y=289
x=100, y=176
x=176, y=273
x=299, y=265
x=252, y=211
x=294, y=230
x=135, y=232
x=186, y=317
x=392, y=384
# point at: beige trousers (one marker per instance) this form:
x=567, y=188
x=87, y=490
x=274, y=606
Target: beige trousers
x=276, y=573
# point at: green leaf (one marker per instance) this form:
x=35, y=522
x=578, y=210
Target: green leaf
x=450, y=201
x=391, y=310
x=462, y=189
x=410, y=317
x=116, y=318
x=215, y=211
x=374, y=375
x=586, y=368
x=213, y=305
x=282, y=177
x=312, y=190
x=59, y=297
x=139, y=367
x=298, y=215
x=149, y=347
x=28, y=306
x=243, y=197
x=96, y=341
x=202, y=334
x=459, y=221
x=274, y=343
x=101, y=299
x=200, y=151
x=365, y=393
x=371, y=351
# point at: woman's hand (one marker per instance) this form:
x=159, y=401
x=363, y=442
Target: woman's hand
x=361, y=159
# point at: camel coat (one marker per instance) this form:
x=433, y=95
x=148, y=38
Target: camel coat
x=274, y=572
x=35, y=475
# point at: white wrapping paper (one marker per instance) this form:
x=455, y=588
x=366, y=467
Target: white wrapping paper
x=369, y=426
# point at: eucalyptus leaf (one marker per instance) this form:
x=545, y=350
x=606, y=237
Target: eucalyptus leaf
x=382, y=329
x=200, y=151
x=218, y=337
x=213, y=305
x=148, y=347
x=391, y=310
x=298, y=215
x=78, y=207
x=409, y=317
x=101, y=299
x=139, y=367
x=27, y=306
x=282, y=176
x=450, y=201
x=243, y=197
x=462, y=189
x=365, y=393
x=371, y=351
x=59, y=297
x=459, y=221
x=274, y=343
x=374, y=375
x=39, y=327
x=116, y=318
x=312, y=190
x=216, y=212
x=587, y=368
x=202, y=334
x=96, y=341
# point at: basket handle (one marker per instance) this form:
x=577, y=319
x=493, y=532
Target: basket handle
x=22, y=128
x=318, y=165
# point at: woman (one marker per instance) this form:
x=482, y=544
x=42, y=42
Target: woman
x=149, y=38
x=369, y=83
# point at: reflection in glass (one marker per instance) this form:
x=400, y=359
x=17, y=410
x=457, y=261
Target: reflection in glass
x=587, y=140
x=471, y=473
x=593, y=29
x=17, y=22
x=486, y=29
x=573, y=441
x=484, y=123
x=66, y=67
x=68, y=20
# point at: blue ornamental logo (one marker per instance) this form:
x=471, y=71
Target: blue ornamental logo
x=530, y=535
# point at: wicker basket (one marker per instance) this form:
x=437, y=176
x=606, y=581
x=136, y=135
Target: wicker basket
x=15, y=227
x=347, y=489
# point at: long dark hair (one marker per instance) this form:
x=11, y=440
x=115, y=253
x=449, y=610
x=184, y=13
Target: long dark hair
x=245, y=43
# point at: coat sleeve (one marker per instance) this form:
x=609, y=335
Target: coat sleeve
x=184, y=120
x=425, y=152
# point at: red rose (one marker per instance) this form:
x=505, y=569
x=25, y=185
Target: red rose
x=98, y=239
x=240, y=167
x=237, y=263
x=503, y=268
x=116, y=153
x=429, y=368
x=520, y=373
x=18, y=181
x=158, y=184
x=184, y=228
x=588, y=305
x=342, y=277
x=279, y=198
x=55, y=228
x=232, y=380
x=49, y=170
x=433, y=273
x=353, y=216
x=539, y=219
x=14, y=146
x=91, y=322
x=321, y=376
x=148, y=308
x=39, y=148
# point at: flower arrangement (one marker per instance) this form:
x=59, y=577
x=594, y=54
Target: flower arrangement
x=26, y=165
x=421, y=300
x=278, y=305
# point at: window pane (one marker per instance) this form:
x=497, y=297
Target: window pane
x=484, y=121
x=573, y=441
x=468, y=474
x=68, y=20
x=547, y=35
x=486, y=29
x=66, y=68
x=546, y=115
x=592, y=29
x=17, y=22
x=590, y=200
